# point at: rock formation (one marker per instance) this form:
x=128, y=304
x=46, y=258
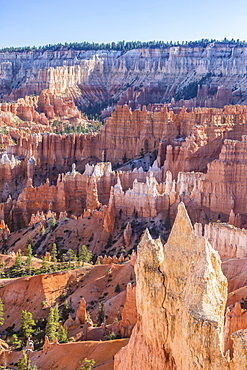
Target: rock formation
x=141, y=76
x=129, y=313
x=181, y=294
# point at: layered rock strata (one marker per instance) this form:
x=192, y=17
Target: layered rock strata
x=213, y=75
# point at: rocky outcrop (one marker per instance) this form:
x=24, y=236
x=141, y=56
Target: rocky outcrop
x=181, y=294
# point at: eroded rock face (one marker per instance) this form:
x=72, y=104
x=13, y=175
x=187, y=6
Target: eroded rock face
x=222, y=190
x=181, y=294
x=155, y=75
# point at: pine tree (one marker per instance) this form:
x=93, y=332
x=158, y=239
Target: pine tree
x=62, y=336
x=27, y=324
x=1, y=312
x=54, y=253
x=84, y=254
x=29, y=241
x=15, y=341
x=24, y=362
x=2, y=265
x=18, y=261
x=53, y=222
x=56, y=314
x=29, y=254
x=45, y=264
x=52, y=323
x=65, y=311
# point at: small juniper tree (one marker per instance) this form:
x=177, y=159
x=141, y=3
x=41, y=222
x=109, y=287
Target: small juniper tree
x=117, y=289
x=2, y=265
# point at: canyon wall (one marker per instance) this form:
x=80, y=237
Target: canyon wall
x=207, y=76
x=183, y=141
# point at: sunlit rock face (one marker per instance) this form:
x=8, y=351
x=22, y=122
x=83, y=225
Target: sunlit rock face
x=198, y=76
x=181, y=294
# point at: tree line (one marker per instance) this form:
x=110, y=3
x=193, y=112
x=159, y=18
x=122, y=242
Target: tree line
x=121, y=45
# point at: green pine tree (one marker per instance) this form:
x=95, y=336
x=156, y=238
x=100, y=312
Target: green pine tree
x=45, y=264
x=84, y=254
x=54, y=253
x=15, y=341
x=18, y=261
x=53, y=222
x=65, y=312
x=52, y=323
x=24, y=362
x=62, y=335
x=71, y=255
x=29, y=241
x=1, y=312
x=29, y=254
x=2, y=265
x=27, y=324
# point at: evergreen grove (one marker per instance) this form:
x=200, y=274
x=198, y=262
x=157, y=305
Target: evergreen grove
x=121, y=45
